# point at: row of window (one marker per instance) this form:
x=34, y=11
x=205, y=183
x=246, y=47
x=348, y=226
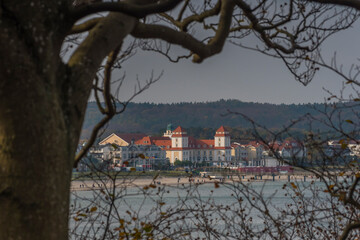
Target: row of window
x=193, y=145
x=198, y=158
x=134, y=155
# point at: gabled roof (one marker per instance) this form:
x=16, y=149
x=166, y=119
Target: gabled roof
x=144, y=141
x=221, y=132
x=179, y=129
x=179, y=132
x=127, y=137
x=221, y=129
x=102, y=142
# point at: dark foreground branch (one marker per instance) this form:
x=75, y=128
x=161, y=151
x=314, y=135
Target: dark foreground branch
x=138, y=11
x=109, y=107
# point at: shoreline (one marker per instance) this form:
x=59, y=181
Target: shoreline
x=88, y=185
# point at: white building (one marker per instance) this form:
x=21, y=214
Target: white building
x=133, y=155
x=180, y=146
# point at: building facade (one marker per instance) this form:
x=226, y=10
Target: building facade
x=182, y=147
x=173, y=145
x=132, y=155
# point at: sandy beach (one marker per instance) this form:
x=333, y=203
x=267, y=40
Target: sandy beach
x=86, y=185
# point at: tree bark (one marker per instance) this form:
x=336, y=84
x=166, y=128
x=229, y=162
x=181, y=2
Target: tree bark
x=36, y=160
x=37, y=140
x=36, y=153
x=42, y=107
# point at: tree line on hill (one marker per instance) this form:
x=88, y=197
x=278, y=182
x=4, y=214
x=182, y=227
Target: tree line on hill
x=202, y=119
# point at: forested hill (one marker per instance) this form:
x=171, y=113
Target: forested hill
x=153, y=118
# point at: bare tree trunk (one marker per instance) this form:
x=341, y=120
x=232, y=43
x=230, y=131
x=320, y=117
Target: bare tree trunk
x=36, y=153
x=42, y=106
x=35, y=168
x=37, y=137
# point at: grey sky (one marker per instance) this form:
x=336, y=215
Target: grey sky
x=237, y=74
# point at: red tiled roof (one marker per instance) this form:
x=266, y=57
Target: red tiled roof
x=191, y=140
x=179, y=129
x=221, y=132
x=198, y=144
x=221, y=129
x=179, y=132
x=204, y=143
x=273, y=146
x=148, y=140
x=163, y=143
x=222, y=148
x=207, y=141
x=160, y=138
x=144, y=141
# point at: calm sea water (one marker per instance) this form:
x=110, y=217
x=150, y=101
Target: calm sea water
x=148, y=205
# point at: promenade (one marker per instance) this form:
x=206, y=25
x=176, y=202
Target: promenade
x=86, y=185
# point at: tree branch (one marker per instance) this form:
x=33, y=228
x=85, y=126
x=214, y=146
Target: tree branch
x=86, y=26
x=182, y=25
x=109, y=107
x=88, y=56
x=345, y=3
x=171, y=36
x=200, y=50
x=102, y=39
x=262, y=30
x=183, y=10
x=347, y=230
x=138, y=11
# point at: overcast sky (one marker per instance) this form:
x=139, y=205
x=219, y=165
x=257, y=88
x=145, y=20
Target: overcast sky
x=237, y=74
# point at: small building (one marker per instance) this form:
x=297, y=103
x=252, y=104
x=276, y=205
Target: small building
x=135, y=155
x=128, y=153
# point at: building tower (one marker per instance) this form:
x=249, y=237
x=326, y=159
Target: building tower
x=222, y=145
x=179, y=145
x=169, y=130
x=222, y=138
x=179, y=138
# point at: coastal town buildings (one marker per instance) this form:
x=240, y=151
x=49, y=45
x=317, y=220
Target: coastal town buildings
x=135, y=155
x=102, y=152
x=250, y=154
x=177, y=145
x=345, y=147
x=259, y=154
